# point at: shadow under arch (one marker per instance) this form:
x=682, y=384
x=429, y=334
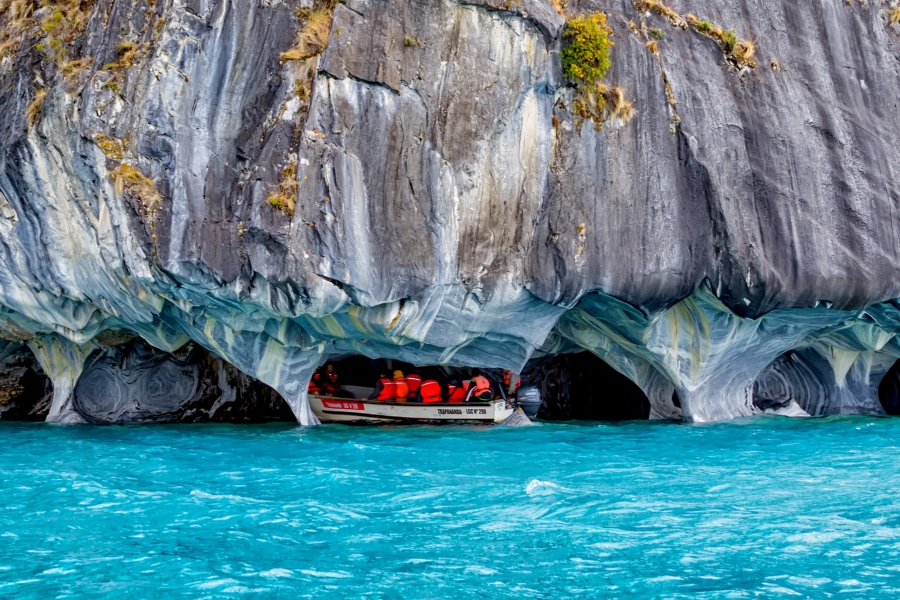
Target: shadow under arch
x=889, y=390
x=583, y=386
x=26, y=391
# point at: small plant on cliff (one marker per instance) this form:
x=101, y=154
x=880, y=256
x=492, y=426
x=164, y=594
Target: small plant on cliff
x=129, y=180
x=739, y=52
x=127, y=54
x=34, y=110
x=282, y=197
x=660, y=9
x=894, y=16
x=313, y=35
x=585, y=59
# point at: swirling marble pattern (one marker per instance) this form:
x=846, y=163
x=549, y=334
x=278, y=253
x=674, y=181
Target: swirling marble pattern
x=450, y=207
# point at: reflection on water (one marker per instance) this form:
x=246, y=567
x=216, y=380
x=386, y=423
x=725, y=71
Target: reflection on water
x=767, y=506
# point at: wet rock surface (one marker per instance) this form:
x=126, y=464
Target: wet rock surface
x=732, y=246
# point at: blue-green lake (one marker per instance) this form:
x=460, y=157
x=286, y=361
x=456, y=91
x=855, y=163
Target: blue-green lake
x=766, y=507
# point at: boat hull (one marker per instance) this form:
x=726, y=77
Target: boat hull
x=345, y=410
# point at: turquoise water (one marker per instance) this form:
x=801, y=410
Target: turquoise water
x=767, y=507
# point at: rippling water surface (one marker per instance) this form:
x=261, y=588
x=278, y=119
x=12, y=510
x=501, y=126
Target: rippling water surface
x=765, y=507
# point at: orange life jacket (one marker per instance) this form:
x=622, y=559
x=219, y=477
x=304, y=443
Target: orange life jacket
x=402, y=389
x=507, y=378
x=389, y=391
x=482, y=387
x=457, y=393
x=430, y=391
x=413, y=381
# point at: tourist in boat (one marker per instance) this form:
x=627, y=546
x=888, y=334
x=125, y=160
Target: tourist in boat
x=385, y=389
x=456, y=390
x=330, y=381
x=431, y=392
x=314, y=387
x=507, y=380
x=479, y=388
x=402, y=388
x=413, y=381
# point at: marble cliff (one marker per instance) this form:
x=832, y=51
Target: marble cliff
x=200, y=195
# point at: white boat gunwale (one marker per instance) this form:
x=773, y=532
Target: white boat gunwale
x=330, y=408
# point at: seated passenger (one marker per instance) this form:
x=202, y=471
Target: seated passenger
x=507, y=380
x=430, y=392
x=385, y=389
x=456, y=391
x=315, y=386
x=480, y=388
x=330, y=381
x=413, y=380
x=401, y=385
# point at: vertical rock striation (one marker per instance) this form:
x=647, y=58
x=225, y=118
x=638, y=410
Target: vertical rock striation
x=422, y=190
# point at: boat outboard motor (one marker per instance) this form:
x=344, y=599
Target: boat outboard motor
x=529, y=399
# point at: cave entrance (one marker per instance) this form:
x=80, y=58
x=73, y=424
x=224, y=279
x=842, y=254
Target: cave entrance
x=26, y=392
x=889, y=390
x=582, y=386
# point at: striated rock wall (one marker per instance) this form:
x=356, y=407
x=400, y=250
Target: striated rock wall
x=732, y=246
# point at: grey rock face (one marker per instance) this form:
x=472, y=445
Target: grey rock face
x=731, y=245
x=134, y=383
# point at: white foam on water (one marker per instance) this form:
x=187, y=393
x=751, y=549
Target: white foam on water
x=328, y=574
x=272, y=573
x=214, y=583
x=536, y=487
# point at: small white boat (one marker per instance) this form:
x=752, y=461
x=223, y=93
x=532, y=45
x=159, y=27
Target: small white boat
x=331, y=409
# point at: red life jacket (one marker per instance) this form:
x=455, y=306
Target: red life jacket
x=457, y=393
x=413, y=381
x=314, y=387
x=430, y=391
x=331, y=385
x=389, y=391
x=482, y=387
x=402, y=389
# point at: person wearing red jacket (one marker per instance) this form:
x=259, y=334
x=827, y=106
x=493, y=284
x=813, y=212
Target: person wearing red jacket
x=385, y=389
x=413, y=381
x=431, y=392
x=330, y=381
x=456, y=391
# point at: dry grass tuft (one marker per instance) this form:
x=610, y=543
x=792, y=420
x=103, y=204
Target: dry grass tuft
x=653, y=46
x=601, y=103
x=743, y=51
x=894, y=16
x=130, y=181
x=283, y=197
x=128, y=54
x=313, y=35
x=74, y=68
x=661, y=9
x=55, y=24
x=34, y=110
x=618, y=105
x=739, y=52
